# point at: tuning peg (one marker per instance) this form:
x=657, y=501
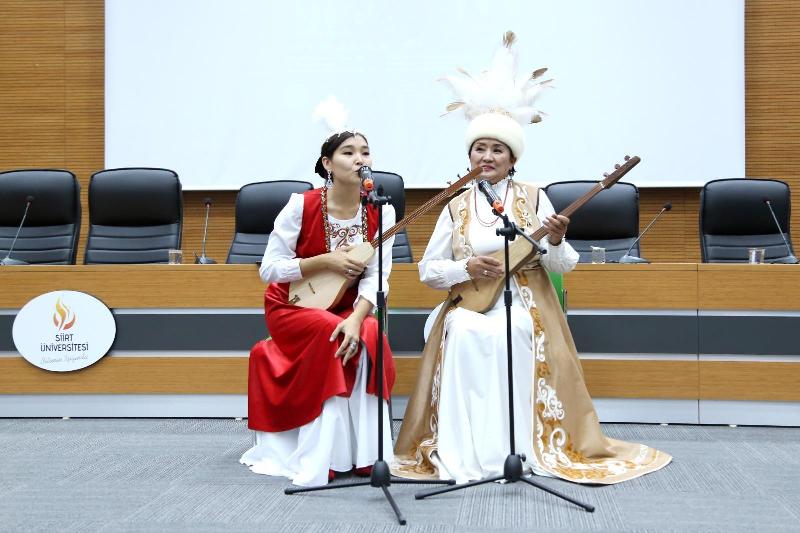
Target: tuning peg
x=605, y=174
x=627, y=158
x=449, y=182
x=617, y=166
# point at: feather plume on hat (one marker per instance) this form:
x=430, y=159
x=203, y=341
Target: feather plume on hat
x=497, y=89
x=496, y=103
x=333, y=113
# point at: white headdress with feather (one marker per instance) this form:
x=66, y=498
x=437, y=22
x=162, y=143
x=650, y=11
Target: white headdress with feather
x=333, y=113
x=497, y=92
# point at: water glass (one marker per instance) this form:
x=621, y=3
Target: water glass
x=755, y=256
x=175, y=257
x=598, y=255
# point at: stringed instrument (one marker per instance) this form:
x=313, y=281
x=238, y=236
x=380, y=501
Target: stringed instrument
x=325, y=288
x=480, y=295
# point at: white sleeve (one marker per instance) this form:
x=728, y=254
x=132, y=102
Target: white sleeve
x=561, y=258
x=437, y=268
x=368, y=286
x=280, y=263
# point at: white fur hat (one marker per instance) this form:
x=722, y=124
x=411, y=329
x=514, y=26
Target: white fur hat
x=497, y=126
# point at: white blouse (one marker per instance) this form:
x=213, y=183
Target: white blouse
x=439, y=270
x=280, y=263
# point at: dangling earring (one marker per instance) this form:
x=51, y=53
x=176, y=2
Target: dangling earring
x=329, y=181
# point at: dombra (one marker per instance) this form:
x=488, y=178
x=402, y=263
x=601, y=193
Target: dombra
x=480, y=295
x=324, y=289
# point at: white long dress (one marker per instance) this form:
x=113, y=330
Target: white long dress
x=345, y=433
x=473, y=428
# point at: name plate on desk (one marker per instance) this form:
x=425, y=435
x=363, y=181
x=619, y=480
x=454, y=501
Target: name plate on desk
x=62, y=331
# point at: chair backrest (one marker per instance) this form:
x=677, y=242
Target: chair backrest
x=734, y=217
x=394, y=187
x=257, y=206
x=135, y=215
x=609, y=220
x=52, y=226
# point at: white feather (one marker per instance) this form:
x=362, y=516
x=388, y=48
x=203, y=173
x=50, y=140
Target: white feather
x=333, y=113
x=497, y=88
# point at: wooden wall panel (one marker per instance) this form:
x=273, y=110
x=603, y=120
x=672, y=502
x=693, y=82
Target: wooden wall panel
x=130, y=375
x=51, y=115
x=772, y=93
x=754, y=381
x=228, y=375
x=84, y=109
x=32, y=84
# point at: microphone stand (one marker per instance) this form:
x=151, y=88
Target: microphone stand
x=381, y=476
x=512, y=468
x=7, y=261
x=789, y=259
x=631, y=259
x=203, y=260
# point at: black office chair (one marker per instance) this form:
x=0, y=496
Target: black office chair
x=393, y=186
x=135, y=216
x=53, y=224
x=257, y=205
x=734, y=217
x=609, y=220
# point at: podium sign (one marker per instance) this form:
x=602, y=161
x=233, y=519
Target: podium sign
x=63, y=331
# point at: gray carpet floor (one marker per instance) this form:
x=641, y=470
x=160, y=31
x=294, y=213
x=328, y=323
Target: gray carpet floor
x=183, y=475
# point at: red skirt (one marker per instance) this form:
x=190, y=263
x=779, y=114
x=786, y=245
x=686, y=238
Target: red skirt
x=295, y=371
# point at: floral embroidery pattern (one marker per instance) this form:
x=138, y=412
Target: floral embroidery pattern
x=461, y=223
x=328, y=229
x=344, y=235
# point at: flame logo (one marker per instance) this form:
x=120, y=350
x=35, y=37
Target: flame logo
x=63, y=318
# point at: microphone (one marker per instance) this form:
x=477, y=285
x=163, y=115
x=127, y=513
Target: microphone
x=628, y=259
x=7, y=261
x=790, y=259
x=367, y=185
x=203, y=260
x=367, y=182
x=491, y=197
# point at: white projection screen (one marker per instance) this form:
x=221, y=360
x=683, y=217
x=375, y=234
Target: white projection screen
x=223, y=91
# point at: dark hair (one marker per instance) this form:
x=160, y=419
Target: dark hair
x=330, y=145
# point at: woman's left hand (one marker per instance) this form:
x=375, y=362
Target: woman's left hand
x=556, y=228
x=350, y=327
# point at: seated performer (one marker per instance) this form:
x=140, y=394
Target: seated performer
x=312, y=385
x=457, y=424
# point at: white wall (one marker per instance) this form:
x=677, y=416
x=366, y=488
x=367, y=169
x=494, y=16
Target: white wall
x=223, y=91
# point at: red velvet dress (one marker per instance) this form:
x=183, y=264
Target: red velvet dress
x=295, y=371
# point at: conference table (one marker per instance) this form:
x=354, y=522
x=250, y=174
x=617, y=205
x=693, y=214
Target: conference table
x=712, y=343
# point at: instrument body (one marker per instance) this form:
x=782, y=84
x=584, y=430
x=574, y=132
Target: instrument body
x=480, y=295
x=325, y=288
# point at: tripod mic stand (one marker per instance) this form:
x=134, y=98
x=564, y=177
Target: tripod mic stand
x=381, y=476
x=512, y=468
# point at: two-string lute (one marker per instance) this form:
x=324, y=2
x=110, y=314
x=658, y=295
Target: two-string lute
x=480, y=295
x=325, y=288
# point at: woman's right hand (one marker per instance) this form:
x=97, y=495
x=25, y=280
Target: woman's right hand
x=484, y=267
x=341, y=263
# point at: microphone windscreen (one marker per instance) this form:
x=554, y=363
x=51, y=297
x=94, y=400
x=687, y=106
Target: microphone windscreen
x=29, y=198
x=365, y=172
x=207, y=201
x=667, y=206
